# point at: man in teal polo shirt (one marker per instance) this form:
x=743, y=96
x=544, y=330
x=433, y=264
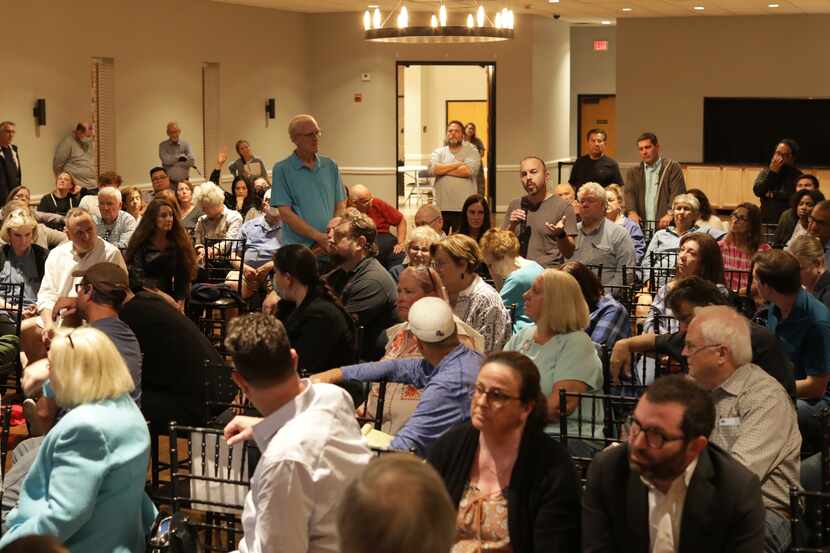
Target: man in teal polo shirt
x=307, y=188
x=802, y=324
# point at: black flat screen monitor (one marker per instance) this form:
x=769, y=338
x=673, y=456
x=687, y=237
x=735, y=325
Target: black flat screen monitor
x=746, y=130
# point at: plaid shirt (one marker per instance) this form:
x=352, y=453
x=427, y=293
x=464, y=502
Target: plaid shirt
x=736, y=259
x=609, y=322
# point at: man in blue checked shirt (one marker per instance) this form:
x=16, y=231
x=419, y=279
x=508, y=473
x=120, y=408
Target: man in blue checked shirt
x=445, y=375
x=263, y=237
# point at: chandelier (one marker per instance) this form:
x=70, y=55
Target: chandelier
x=478, y=28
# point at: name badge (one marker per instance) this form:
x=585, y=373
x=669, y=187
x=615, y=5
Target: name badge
x=729, y=421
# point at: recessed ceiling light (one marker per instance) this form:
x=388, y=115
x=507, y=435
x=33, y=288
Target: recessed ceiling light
x=773, y=5
x=626, y=9
x=372, y=6
x=606, y=22
x=553, y=1
x=699, y=8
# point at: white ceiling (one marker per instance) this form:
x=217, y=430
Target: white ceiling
x=589, y=11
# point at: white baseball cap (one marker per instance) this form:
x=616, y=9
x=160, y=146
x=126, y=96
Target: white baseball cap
x=431, y=320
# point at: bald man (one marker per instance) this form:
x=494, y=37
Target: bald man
x=430, y=215
x=385, y=216
x=75, y=155
x=307, y=188
x=176, y=155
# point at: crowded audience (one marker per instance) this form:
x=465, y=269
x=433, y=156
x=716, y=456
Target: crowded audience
x=452, y=340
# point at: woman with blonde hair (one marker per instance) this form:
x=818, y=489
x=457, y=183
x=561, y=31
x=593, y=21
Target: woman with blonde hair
x=808, y=250
x=615, y=212
x=417, y=247
x=86, y=486
x=21, y=262
x=46, y=237
x=559, y=346
x=512, y=273
x=475, y=302
x=217, y=221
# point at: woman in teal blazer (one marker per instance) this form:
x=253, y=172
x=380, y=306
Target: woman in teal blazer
x=86, y=486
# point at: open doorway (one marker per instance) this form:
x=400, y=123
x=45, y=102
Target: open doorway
x=429, y=95
x=597, y=111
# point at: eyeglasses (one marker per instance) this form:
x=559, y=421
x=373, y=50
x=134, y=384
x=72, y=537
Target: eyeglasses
x=655, y=438
x=422, y=223
x=690, y=352
x=79, y=286
x=494, y=396
x=743, y=218
x=312, y=134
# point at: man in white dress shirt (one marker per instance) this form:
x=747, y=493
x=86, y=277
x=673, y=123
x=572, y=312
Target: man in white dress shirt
x=309, y=438
x=83, y=250
x=455, y=167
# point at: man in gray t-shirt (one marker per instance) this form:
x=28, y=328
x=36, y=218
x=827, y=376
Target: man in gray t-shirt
x=455, y=167
x=544, y=223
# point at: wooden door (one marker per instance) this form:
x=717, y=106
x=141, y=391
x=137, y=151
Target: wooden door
x=598, y=112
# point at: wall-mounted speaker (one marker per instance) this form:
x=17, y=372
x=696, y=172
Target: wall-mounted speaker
x=39, y=112
x=271, y=108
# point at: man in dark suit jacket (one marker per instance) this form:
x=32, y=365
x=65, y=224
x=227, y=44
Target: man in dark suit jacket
x=10, y=173
x=668, y=489
x=669, y=182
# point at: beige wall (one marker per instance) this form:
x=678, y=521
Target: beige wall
x=665, y=67
x=158, y=48
x=591, y=72
x=362, y=135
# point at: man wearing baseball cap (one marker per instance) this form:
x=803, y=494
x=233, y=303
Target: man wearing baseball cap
x=445, y=375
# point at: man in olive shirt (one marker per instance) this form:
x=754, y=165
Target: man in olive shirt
x=544, y=223
x=595, y=166
x=76, y=156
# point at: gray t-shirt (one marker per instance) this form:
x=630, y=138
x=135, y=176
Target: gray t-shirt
x=542, y=247
x=127, y=345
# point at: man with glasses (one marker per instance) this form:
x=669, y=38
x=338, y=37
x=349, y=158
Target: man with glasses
x=430, y=215
x=820, y=226
x=83, y=250
x=686, y=296
x=455, y=166
x=775, y=184
x=445, y=375
x=599, y=241
x=385, y=216
x=307, y=188
x=802, y=324
x=10, y=173
x=756, y=422
x=668, y=488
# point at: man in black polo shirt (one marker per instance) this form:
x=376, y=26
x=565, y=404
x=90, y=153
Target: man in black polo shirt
x=688, y=294
x=595, y=166
x=367, y=290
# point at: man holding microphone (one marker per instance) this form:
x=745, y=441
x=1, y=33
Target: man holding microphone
x=544, y=223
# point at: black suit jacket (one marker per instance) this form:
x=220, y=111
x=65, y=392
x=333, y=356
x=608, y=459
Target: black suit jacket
x=5, y=183
x=723, y=510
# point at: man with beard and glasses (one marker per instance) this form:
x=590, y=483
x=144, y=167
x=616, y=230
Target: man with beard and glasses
x=455, y=167
x=544, y=223
x=668, y=489
x=367, y=290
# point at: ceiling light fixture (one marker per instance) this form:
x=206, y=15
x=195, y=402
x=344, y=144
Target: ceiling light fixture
x=699, y=8
x=626, y=9
x=773, y=5
x=553, y=1
x=606, y=22
x=477, y=26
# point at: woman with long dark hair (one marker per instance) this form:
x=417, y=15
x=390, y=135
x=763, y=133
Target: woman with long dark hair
x=794, y=222
x=743, y=241
x=318, y=326
x=475, y=217
x=516, y=488
x=243, y=196
x=160, y=256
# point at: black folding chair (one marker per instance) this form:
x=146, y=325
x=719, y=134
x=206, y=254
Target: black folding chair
x=663, y=259
x=812, y=506
x=222, y=397
x=211, y=484
x=11, y=317
x=221, y=257
x=596, y=269
x=768, y=231
x=649, y=228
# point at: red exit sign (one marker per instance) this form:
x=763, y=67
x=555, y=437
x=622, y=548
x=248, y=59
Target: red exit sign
x=600, y=45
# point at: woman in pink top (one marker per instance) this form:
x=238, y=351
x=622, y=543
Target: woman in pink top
x=742, y=242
